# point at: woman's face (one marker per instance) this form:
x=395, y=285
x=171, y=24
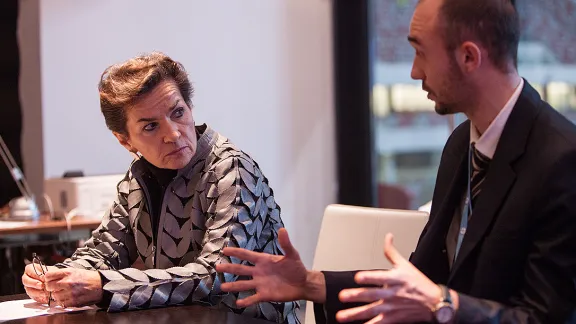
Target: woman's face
x=161, y=127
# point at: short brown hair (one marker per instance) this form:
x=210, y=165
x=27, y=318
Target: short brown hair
x=123, y=84
x=493, y=23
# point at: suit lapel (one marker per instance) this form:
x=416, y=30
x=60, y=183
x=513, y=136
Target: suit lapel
x=450, y=184
x=501, y=175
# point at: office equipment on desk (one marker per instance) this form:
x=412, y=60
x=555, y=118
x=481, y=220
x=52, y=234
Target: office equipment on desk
x=89, y=196
x=25, y=207
x=352, y=238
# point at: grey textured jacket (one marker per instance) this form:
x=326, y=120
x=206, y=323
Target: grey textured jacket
x=220, y=199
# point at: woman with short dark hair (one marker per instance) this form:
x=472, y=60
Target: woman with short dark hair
x=188, y=194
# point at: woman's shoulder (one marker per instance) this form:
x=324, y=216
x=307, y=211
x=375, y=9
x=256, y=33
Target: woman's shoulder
x=225, y=151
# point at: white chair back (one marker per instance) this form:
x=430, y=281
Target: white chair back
x=352, y=238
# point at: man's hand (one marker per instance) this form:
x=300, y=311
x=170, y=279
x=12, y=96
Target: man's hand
x=405, y=294
x=34, y=284
x=274, y=277
x=72, y=287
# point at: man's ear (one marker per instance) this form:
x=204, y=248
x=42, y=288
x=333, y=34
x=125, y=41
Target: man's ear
x=469, y=57
x=125, y=141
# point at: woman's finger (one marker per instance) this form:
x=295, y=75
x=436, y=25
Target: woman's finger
x=57, y=285
x=34, y=274
x=240, y=285
x=39, y=296
x=248, y=301
x=61, y=295
x=237, y=269
x=63, y=298
x=29, y=282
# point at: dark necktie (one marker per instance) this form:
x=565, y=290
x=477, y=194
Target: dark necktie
x=480, y=164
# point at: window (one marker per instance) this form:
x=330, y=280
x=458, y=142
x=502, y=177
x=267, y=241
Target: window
x=408, y=135
x=389, y=138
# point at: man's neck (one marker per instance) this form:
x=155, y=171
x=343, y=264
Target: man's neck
x=492, y=97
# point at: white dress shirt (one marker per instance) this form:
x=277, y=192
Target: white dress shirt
x=487, y=142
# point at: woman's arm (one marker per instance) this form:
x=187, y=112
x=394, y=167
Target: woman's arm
x=243, y=214
x=112, y=245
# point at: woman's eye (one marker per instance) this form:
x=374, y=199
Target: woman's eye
x=150, y=127
x=178, y=112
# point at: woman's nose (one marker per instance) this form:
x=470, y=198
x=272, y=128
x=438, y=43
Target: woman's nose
x=173, y=135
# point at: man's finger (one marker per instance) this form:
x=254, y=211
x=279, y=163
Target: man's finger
x=284, y=241
x=363, y=312
x=393, y=316
x=248, y=301
x=237, y=286
x=237, y=269
x=383, y=310
x=242, y=254
x=367, y=295
x=391, y=252
x=379, y=319
x=379, y=278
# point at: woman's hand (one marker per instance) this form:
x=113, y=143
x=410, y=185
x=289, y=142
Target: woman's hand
x=72, y=287
x=34, y=284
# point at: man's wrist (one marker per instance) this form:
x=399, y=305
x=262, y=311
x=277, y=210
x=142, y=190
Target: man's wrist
x=315, y=288
x=455, y=299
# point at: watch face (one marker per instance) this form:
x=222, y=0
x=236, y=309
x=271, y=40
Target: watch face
x=444, y=314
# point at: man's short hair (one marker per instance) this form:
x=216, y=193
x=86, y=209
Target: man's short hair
x=494, y=24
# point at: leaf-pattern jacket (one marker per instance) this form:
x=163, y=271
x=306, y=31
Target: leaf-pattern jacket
x=220, y=199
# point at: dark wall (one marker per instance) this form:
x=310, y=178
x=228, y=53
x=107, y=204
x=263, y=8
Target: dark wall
x=10, y=110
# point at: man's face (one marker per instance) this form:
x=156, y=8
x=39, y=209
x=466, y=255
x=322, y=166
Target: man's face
x=440, y=74
x=161, y=127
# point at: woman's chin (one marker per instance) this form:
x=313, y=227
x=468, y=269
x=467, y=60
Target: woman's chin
x=177, y=163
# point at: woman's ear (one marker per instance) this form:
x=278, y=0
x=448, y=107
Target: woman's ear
x=125, y=141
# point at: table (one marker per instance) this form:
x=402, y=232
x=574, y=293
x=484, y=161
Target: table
x=47, y=226
x=179, y=314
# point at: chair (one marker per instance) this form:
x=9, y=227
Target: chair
x=352, y=238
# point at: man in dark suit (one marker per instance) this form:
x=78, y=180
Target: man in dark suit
x=500, y=244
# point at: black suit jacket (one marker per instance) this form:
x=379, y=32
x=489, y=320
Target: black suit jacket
x=517, y=263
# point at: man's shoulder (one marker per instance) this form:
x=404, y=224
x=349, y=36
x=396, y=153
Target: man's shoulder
x=555, y=129
x=459, y=140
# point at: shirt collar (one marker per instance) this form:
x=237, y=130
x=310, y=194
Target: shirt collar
x=487, y=142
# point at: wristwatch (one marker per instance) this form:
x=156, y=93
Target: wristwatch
x=444, y=310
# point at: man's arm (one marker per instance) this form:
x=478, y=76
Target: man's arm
x=325, y=311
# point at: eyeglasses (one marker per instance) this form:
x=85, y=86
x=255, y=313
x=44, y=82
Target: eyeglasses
x=36, y=261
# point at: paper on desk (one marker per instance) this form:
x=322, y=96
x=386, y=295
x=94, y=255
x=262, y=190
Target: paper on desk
x=11, y=224
x=18, y=309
